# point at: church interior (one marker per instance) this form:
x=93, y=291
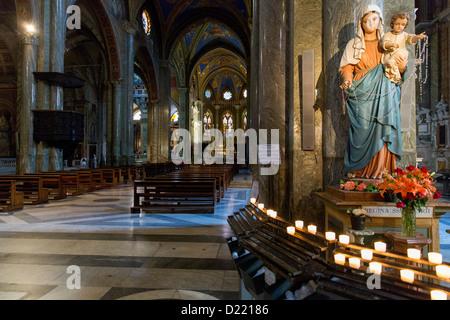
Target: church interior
x=102, y=197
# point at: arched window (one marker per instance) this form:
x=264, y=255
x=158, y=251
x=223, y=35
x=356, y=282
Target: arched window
x=227, y=122
x=146, y=22
x=207, y=121
x=175, y=117
x=245, y=120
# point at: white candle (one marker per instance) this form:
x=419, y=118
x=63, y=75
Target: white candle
x=375, y=267
x=380, y=246
x=443, y=272
x=339, y=259
x=261, y=206
x=354, y=263
x=330, y=236
x=299, y=224
x=414, y=254
x=344, y=239
x=274, y=214
x=312, y=229
x=407, y=276
x=253, y=200
x=435, y=257
x=270, y=212
x=291, y=230
x=366, y=254
x=438, y=295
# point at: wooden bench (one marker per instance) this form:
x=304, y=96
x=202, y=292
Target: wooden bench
x=70, y=180
x=10, y=198
x=172, y=195
x=54, y=183
x=33, y=189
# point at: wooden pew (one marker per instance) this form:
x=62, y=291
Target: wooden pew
x=70, y=180
x=10, y=198
x=171, y=195
x=32, y=187
x=176, y=177
x=109, y=175
x=54, y=183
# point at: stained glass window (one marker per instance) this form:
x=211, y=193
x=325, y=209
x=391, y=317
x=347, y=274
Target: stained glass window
x=175, y=117
x=245, y=120
x=207, y=121
x=146, y=23
x=227, y=122
x=208, y=94
x=245, y=93
x=227, y=95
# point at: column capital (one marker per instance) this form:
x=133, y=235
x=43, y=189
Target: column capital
x=129, y=27
x=27, y=38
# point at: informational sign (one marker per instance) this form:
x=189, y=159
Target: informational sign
x=394, y=212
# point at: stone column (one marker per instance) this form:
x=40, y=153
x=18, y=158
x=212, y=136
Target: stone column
x=26, y=102
x=164, y=110
x=152, y=132
x=237, y=122
x=271, y=95
x=57, y=43
x=217, y=119
x=184, y=108
x=116, y=118
x=128, y=125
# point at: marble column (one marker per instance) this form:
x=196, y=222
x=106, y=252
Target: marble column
x=26, y=102
x=184, y=107
x=128, y=125
x=116, y=118
x=57, y=44
x=270, y=93
x=144, y=130
x=164, y=110
x=152, y=133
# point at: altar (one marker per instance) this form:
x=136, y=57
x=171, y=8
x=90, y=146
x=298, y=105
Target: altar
x=384, y=216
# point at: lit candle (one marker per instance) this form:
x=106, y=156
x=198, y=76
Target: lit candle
x=443, y=272
x=366, y=254
x=375, y=267
x=407, y=276
x=344, y=239
x=291, y=230
x=438, y=295
x=253, y=200
x=339, y=259
x=299, y=224
x=274, y=214
x=330, y=236
x=269, y=212
x=354, y=263
x=261, y=206
x=380, y=246
x=435, y=257
x=414, y=254
x=312, y=229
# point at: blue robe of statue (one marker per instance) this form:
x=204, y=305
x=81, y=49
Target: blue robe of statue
x=373, y=108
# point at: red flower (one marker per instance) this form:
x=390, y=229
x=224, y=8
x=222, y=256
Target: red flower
x=421, y=195
x=424, y=170
x=410, y=168
x=437, y=195
x=398, y=171
x=400, y=205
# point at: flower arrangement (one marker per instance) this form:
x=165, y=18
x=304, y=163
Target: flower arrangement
x=359, y=186
x=413, y=187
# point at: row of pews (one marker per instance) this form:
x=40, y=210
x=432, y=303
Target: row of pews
x=38, y=188
x=277, y=265
x=194, y=189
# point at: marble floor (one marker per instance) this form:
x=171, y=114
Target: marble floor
x=92, y=242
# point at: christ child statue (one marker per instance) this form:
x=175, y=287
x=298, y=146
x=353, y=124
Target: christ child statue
x=394, y=45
